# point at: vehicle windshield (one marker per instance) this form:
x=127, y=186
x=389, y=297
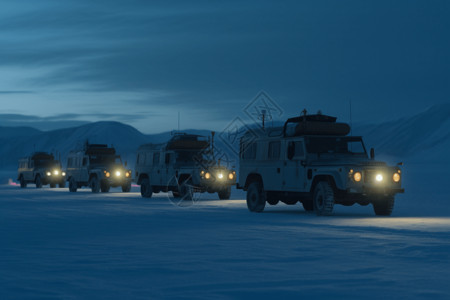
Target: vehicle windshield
x=105, y=160
x=335, y=145
x=194, y=157
x=46, y=163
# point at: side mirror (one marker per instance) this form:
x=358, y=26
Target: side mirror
x=400, y=164
x=372, y=153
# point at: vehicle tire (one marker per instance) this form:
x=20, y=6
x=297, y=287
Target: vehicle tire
x=272, y=200
x=323, y=199
x=73, y=185
x=126, y=188
x=256, y=197
x=23, y=183
x=94, y=184
x=308, y=205
x=62, y=184
x=38, y=182
x=104, y=187
x=52, y=185
x=383, y=205
x=146, y=188
x=186, y=190
x=225, y=193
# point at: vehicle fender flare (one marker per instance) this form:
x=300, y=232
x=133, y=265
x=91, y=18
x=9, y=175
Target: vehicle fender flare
x=251, y=178
x=322, y=177
x=141, y=177
x=95, y=174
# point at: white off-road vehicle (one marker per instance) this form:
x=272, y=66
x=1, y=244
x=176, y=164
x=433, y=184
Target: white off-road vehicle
x=182, y=166
x=41, y=168
x=98, y=167
x=312, y=160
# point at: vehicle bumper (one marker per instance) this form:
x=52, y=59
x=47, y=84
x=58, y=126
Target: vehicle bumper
x=115, y=182
x=367, y=190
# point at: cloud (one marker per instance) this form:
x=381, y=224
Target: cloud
x=210, y=59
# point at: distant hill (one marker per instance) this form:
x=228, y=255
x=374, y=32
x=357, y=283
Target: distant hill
x=423, y=137
x=17, y=142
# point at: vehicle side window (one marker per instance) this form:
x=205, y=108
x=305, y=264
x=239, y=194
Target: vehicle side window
x=167, y=159
x=295, y=150
x=274, y=150
x=156, y=158
x=299, y=150
x=249, y=151
x=84, y=161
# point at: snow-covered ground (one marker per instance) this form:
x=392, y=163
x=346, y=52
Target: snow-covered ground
x=59, y=245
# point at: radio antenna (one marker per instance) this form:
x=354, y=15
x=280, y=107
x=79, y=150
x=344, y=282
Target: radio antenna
x=178, y=121
x=351, y=121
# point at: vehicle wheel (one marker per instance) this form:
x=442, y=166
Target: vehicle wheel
x=23, y=183
x=73, y=185
x=146, y=188
x=126, y=188
x=95, y=185
x=383, y=205
x=308, y=205
x=52, y=185
x=38, y=182
x=186, y=190
x=104, y=187
x=256, y=197
x=323, y=199
x=62, y=184
x=225, y=193
x=272, y=200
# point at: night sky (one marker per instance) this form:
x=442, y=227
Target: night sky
x=141, y=62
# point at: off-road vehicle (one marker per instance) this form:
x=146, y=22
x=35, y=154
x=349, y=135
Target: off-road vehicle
x=312, y=160
x=182, y=166
x=41, y=168
x=98, y=167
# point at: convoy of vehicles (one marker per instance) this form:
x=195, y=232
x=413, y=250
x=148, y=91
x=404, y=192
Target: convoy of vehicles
x=311, y=160
x=40, y=168
x=184, y=165
x=98, y=167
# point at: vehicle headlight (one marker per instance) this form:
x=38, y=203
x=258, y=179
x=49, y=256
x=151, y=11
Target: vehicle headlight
x=357, y=176
x=207, y=175
x=63, y=173
x=202, y=173
x=49, y=173
x=107, y=174
x=127, y=174
x=55, y=172
x=396, y=177
x=220, y=176
x=231, y=176
x=379, y=177
x=117, y=173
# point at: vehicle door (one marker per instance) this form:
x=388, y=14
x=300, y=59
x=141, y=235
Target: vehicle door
x=272, y=170
x=156, y=175
x=29, y=174
x=294, y=171
x=168, y=173
x=84, y=162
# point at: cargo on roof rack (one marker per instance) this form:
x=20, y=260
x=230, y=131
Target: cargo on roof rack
x=187, y=142
x=315, y=125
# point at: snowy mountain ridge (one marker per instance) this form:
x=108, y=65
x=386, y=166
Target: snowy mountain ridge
x=425, y=136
